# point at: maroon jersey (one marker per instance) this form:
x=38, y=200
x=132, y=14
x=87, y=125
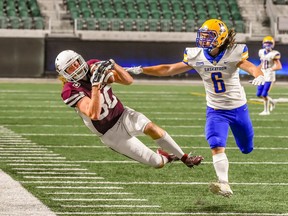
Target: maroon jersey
x=112, y=108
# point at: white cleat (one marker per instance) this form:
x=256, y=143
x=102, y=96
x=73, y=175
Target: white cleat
x=222, y=189
x=272, y=106
x=264, y=113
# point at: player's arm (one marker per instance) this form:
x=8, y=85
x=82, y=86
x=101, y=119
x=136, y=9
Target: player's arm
x=277, y=65
x=166, y=69
x=250, y=68
x=91, y=107
x=121, y=75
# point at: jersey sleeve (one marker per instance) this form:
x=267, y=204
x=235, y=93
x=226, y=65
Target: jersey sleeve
x=71, y=96
x=185, y=57
x=245, y=54
x=277, y=55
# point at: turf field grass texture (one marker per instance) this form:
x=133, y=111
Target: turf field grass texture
x=46, y=147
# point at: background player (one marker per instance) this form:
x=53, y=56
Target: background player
x=270, y=62
x=217, y=59
x=87, y=90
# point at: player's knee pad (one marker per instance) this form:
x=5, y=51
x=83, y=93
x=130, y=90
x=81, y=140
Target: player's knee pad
x=215, y=141
x=156, y=161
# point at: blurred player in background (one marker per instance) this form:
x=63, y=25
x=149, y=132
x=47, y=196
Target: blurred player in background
x=270, y=62
x=217, y=59
x=88, y=89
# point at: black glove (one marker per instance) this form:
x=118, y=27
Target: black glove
x=97, y=78
x=106, y=65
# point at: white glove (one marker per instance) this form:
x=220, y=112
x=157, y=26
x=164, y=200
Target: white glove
x=258, y=80
x=134, y=70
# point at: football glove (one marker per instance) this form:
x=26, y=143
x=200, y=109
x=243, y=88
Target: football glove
x=134, y=70
x=258, y=80
x=106, y=65
x=97, y=78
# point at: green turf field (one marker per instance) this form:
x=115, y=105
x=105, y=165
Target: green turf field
x=45, y=146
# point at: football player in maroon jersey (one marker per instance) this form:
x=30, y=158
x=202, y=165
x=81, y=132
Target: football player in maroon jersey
x=87, y=88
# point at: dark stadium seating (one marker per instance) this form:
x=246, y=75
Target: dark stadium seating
x=153, y=15
x=21, y=14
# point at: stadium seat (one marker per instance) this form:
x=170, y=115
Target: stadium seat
x=15, y=22
x=153, y=25
x=128, y=24
x=177, y=25
x=116, y=24
x=104, y=24
x=144, y=14
x=167, y=14
x=3, y=22
x=179, y=15
x=86, y=13
x=239, y=26
x=190, y=25
x=27, y=22
x=141, y=24
x=121, y=13
x=155, y=14
x=97, y=12
x=109, y=13
x=39, y=23
x=132, y=13
x=165, y=25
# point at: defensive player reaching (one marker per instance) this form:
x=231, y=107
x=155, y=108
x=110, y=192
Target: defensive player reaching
x=87, y=89
x=270, y=62
x=217, y=59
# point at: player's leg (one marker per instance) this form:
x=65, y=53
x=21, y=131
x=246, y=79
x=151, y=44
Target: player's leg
x=118, y=139
x=165, y=141
x=242, y=130
x=216, y=129
x=267, y=89
x=264, y=94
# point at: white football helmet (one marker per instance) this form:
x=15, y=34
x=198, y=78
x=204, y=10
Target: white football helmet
x=65, y=59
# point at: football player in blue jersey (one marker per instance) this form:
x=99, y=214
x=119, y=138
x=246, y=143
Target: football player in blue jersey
x=270, y=63
x=217, y=58
x=87, y=87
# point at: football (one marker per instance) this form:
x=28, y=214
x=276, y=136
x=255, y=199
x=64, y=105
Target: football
x=109, y=77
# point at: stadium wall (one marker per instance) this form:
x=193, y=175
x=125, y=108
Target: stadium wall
x=22, y=57
x=133, y=53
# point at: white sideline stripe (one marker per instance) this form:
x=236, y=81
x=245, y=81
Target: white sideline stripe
x=57, y=173
x=98, y=199
x=170, y=213
x=173, y=135
x=54, y=169
x=111, y=206
x=90, y=193
x=153, y=183
x=48, y=165
x=61, y=177
x=79, y=187
x=30, y=154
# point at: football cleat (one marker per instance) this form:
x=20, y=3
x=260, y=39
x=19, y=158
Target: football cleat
x=191, y=161
x=222, y=189
x=264, y=113
x=170, y=157
x=272, y=106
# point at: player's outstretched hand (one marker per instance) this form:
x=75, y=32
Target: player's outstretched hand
x=97, y=78
x=259, y=80
x=134, y=70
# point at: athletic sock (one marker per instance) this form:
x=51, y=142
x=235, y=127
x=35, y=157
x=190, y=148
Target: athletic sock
x=221, y=166
x=167, y=143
